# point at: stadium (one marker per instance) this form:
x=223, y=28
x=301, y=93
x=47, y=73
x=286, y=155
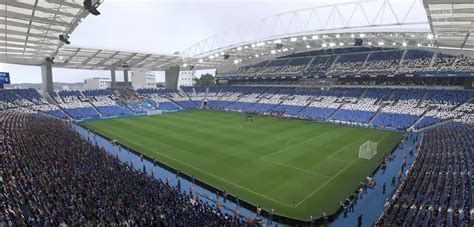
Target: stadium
x=347, y=114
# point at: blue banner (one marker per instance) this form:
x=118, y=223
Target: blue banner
x=4, y=78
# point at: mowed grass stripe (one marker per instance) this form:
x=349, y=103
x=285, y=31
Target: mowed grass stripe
x=176, y=150
x=224, y=150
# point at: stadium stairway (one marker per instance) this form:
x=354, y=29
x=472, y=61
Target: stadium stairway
x=432, y=126
x=304, y=107
x=48, y=98
x=338, y=108
x=371, y=203
x=365, y=61
x=363, y=94
x=402, y=58
x=98, y=111
x=412, y=127
x=425, y=94
x=333, y=63
x=433, y=59
x=377, y=113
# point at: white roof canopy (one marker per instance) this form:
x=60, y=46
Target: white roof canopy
x=90, y=58
x=452, y=21
x=29, y=31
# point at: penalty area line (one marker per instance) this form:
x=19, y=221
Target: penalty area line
x=325, y=183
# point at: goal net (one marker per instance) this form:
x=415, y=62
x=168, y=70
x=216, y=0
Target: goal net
x=368, y=150
x=154, y=112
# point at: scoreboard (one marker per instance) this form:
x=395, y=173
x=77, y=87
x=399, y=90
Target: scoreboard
x=4, y=78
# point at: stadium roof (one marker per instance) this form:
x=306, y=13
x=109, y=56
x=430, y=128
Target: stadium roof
x=31, y=29
x=452, y=21
x=90, y=58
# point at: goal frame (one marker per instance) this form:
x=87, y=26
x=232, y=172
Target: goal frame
x=368, y=150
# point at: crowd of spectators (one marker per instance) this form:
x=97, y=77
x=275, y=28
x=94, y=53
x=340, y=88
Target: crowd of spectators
x=358, y=62
x=399, y=109
x=438, y=188
x=51, y=176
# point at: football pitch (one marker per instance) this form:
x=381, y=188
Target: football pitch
x=297, y=167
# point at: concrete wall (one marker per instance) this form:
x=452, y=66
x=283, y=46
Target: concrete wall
x=171, y=77
x=186, y=78
x=143, y=80
x=47, y=76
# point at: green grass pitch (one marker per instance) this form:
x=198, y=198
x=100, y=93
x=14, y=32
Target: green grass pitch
x=299, y=168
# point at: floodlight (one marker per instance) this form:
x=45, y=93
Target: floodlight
x=92, y=8
x=308, y=46
x=292, y=39
x=236, y=61
x=332, y=44
x=404, y=44
x=324, y=45
x=304, y=38
x=315, y=37
x=64, y=39
x=430, y=36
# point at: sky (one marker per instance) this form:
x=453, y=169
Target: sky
x=160, y=26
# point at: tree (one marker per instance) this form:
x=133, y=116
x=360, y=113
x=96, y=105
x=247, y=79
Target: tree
x=206, y=80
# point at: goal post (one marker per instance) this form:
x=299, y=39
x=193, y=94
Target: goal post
x=368, y=150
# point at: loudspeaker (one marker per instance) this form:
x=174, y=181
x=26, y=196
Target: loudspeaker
x=226, y=56
x=87, y=4
x=64, y=39
x=92, y=8
x=358, y=42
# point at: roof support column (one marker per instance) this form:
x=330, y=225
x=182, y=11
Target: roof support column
x=171, y=77
x=112, y=78
x=47, y=75
x=125, y=75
